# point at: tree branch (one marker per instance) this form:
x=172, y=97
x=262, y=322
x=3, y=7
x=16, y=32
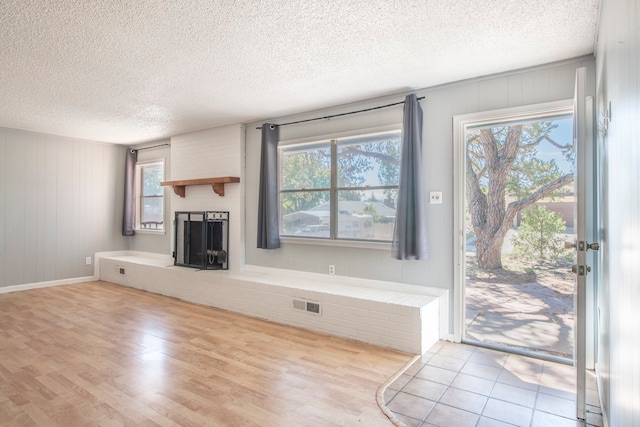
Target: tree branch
x=517, y=206
x=552, y=142
x=380, y=156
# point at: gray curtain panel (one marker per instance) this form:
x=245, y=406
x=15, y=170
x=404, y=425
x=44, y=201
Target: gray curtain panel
x=268, y=232
x=410, y=233
x=129, y=215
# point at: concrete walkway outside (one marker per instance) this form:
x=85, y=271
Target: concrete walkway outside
x=532, y=316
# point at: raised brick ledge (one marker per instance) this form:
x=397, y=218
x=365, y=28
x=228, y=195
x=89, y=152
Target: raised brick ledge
x=415, y=315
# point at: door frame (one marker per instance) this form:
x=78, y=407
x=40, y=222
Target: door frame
x=592, y=217
x=460, y=122
x=587, y=230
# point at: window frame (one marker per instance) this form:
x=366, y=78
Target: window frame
x=333, y=142
x=139, y=197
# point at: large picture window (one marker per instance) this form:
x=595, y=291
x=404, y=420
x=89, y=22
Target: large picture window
x=343, y=188
x=150, y=200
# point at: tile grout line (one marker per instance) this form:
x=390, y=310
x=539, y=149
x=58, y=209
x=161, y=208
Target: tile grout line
x=537, y=390
x=449, y=386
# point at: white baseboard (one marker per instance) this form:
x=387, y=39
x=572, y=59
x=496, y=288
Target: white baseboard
x=38, y=285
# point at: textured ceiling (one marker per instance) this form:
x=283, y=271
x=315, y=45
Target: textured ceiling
x=130, y=71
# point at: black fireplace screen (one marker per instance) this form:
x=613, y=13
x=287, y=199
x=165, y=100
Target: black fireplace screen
x=202, y=240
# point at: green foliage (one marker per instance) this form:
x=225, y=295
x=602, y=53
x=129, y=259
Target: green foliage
x=308, y=169
x=353, y=165
x=370, y=210
x=529, y=172
x=356, y=160
x=389, y=170
x=539, y=236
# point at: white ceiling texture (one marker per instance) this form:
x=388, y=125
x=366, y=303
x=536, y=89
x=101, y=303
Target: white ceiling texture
x=132, y=71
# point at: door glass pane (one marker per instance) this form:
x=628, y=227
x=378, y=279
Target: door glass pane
x=519, y=212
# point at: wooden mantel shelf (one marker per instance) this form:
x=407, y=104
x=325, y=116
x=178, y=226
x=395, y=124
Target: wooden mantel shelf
x=216, y=183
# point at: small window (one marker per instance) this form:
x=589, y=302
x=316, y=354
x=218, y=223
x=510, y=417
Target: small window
x=344, y=188
x=150, y=198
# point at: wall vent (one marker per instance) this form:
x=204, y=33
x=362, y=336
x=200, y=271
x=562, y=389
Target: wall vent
x=313, y=307
x=308, y=306
x=299, y=304
x=120, y=270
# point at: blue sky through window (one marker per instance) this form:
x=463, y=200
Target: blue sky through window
x=563, y=135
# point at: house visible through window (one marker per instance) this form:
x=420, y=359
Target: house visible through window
x=343, y=188
x=150, y=200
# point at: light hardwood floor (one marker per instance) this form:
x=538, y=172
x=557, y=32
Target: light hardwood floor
x=102, y=354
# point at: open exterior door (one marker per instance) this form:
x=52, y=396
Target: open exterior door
x=584, y=288
x=583, y=230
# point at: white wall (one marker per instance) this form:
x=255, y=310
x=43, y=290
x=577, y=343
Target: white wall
x=541, y=84
x=60, y=202
x=618, y=82
x=208, y=154
x=145, y=241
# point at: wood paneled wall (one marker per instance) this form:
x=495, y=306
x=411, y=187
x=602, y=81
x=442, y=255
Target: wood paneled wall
x=618, y=83
x=60, y=202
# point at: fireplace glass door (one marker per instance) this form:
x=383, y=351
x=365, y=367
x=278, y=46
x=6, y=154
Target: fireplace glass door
x=202, y=240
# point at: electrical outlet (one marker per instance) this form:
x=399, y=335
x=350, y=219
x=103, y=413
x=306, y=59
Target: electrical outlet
x=87, y=260
x=332, y=269
x=435, y=197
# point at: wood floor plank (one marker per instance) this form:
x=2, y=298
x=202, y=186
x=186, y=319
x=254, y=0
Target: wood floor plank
x=101, y=354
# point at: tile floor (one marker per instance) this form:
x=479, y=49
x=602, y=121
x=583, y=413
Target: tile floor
x=458, y=385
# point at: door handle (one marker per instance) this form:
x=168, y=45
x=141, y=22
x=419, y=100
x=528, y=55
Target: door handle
x=580, y=269
x=593, y=246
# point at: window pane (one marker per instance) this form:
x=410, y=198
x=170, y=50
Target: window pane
x=152, y=212
x=307, y=167
x=368, y=215
x=369, y=161
x=152, y=176
x=305, y=214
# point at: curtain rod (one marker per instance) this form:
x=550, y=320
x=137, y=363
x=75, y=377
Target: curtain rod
x=343, y=114
x=149, y=148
